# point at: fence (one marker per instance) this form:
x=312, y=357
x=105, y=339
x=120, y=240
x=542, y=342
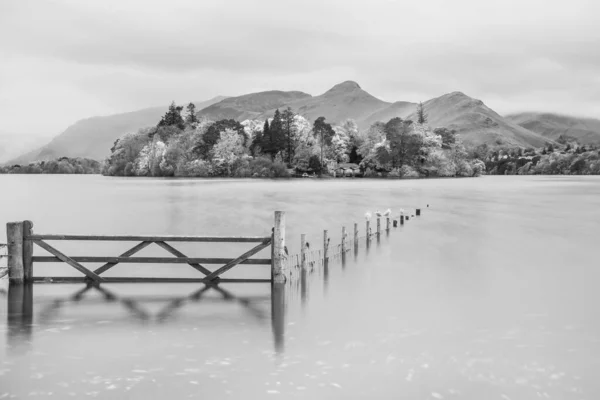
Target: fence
x=21, y=260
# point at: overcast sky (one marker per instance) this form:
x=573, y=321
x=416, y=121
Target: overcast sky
x=64, y=60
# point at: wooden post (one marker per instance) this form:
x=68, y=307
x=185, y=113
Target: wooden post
x=402, y=220
x=14, y=237
x=387, y=224
x=378, y=227
x=418, y=212
x=395, y=223
x=303, y=251
x=343, y=240
x=325, y=247
x=368, y=231
x=355, y=237
x=277, y=264
x=27, y=251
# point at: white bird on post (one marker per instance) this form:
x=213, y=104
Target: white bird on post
x=387, y=213
x=378, y=213
x=368, y=215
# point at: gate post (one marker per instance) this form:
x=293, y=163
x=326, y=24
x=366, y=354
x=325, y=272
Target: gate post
x=278, y=270
x=14, y=238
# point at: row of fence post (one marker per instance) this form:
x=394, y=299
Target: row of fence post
x=20, y=251
x=279, y=253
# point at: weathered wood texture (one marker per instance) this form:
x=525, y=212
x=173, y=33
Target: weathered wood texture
x=152, y=260
x=278, y=265
x=343, y=240
x=14, y=237
x=325, y=246
x=378, y=227
x=64, y=258
x=225, y=239
x=355, y=235
x=77, y=279
x=303, y=251
x=27, y=251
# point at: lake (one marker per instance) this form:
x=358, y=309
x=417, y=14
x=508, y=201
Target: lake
x=490, y=294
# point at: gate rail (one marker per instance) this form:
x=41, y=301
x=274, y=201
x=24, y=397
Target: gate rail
x=21, y=241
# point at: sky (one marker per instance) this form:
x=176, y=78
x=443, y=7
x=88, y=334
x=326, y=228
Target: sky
x=64, y=60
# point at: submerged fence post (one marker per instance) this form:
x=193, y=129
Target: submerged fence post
x=378, y=227
x=418, y=212
x=368, y=231
x=387, y=224
x=402, y=220
x=325, y=248
x=343, y=240
x=14, y=238
x=278, y=269
x=355, y=237
x=303, y=251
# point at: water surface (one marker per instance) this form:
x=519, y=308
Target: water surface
x=491, y=293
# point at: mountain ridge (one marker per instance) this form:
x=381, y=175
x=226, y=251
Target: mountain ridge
x=476, y=123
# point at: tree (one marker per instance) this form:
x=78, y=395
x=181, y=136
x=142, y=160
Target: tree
x=257, y=140
x=325, y=133
x=172, y=117
x=213, y=134
x=191, y=118
x=288, y=128
x=404, y=146
x=273, y=141
x=448, y=137
x=315, y=164
x=421, y=115
x=229, y=148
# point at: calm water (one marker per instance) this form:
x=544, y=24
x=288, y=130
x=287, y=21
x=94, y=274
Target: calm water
x=490, y=294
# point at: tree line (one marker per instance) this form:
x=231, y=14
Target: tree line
x=185, y=145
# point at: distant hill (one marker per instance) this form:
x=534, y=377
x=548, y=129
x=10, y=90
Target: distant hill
x=400, y=109
x=476, y=123
x=13, y=144
x=250, y=106
x=93, y=137
x=344, y=100
x=552, y=126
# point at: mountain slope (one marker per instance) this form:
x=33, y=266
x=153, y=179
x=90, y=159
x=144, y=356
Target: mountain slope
x=93, y=137
x=343, y=101
x=400, y=109
x=477, y=123
x=552, y=126
x=250, y=106
x=11, y=144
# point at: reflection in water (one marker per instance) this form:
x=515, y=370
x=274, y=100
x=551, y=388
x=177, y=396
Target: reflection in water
x=20, y=308
x=20, y=316
x=278, y=316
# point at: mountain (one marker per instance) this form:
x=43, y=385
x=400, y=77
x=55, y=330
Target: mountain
x=12, y=144
x=477, y=123
x=344, y=100
x=250, y=106
x=400, y=109
x=93, y=137
x=552, y=126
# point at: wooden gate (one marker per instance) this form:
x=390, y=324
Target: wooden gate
x=21, y=241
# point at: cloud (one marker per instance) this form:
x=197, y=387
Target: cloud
x=79, y=59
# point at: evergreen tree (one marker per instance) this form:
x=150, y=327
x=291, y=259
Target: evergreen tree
x=259, y=137
x=421, y=116
x=287, y=119
x=274, y=139
x=172, y=117
x=191, y=118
